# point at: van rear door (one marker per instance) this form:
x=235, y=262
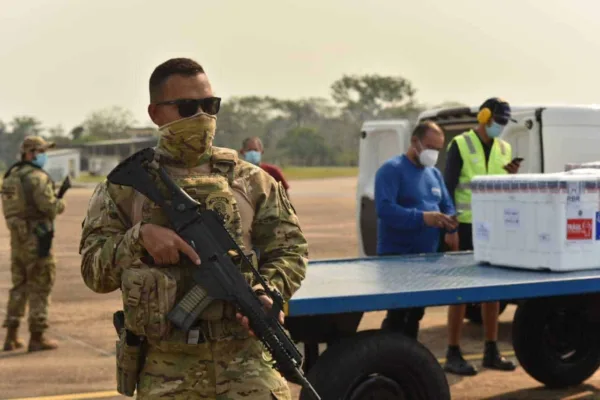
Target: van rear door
x=525, y=137
x=380, y=141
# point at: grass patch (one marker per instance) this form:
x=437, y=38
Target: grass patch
x=85, y=177
x=294, y=173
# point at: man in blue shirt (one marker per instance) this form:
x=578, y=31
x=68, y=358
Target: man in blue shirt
x=413, y=208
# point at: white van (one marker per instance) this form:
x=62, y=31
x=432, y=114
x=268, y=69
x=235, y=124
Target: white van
x=547, y=137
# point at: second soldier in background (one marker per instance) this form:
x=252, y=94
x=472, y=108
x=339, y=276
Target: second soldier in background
x=30, y=206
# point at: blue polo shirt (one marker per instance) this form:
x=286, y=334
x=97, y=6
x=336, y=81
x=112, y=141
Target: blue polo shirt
x=403, y=191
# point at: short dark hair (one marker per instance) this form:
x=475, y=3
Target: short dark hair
x=180, y=66
x=421, y=129
x=249, y=139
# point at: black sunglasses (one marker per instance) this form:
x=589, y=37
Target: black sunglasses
x=189, y=107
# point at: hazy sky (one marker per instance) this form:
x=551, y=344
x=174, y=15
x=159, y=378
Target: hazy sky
x=62, y=59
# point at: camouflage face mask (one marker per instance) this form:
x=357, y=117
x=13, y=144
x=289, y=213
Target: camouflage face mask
x=188, y=140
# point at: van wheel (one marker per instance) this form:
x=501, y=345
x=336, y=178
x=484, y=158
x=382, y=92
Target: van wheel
x=378, y=365
x=555, y=340
x=473, y=312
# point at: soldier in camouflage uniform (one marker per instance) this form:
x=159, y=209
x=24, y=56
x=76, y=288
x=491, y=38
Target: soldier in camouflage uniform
x=219, y=358
x=30, y=206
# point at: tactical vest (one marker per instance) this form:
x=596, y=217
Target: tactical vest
x=150, y=292
x=17, y=193
x=473, y=156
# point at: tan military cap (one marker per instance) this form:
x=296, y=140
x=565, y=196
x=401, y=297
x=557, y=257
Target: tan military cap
x=31, y=143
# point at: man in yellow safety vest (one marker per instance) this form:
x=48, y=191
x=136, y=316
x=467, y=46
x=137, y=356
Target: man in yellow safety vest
x=478, y=151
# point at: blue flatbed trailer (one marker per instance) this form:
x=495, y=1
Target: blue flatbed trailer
x=556, y=329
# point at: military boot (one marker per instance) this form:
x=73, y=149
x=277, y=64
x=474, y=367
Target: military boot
x=12, y=341
x=39, y=342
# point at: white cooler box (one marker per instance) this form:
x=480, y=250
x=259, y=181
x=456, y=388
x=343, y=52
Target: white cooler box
x=585, y=166
x=538, y=221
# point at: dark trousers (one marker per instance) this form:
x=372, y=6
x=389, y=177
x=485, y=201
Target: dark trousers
x=404, y=320
x=407, y=320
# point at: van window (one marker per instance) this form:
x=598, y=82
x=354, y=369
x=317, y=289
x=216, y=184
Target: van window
x=379, y=146
x=388, y=145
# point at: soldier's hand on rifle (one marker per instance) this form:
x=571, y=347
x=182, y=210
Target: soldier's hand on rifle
x=164, y=245
x=267, y=304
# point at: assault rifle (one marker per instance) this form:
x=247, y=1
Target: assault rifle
x=219, y=275
x=66, y=185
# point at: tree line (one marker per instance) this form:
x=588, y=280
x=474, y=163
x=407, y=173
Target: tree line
x=306, y=132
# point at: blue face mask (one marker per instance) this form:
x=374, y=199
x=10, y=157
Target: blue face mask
x=495, y=130
x=40, y=160
x=252, y=156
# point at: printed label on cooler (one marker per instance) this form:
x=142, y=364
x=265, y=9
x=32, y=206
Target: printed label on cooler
x=482, y=231
x=579, y=229
x=512, y=218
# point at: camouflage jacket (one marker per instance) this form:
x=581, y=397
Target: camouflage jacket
x=110, y=242
x=37, y=188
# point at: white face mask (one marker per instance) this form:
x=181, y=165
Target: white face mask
x=428, y=157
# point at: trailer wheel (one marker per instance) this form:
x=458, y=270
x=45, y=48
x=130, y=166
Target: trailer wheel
x=473, y=312
x=556, y=341
x=378, y=365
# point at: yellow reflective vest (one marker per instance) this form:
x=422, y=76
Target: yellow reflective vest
x=473, y=157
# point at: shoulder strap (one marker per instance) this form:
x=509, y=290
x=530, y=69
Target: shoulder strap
x=223, y=161
x=16, y=165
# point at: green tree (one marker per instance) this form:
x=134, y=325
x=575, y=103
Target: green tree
x=304, y=111
x=57, y=135
x=306, y=147
x=56, y=131
x=21, y=126
x=108, y=123
x=76, y=132
x=25, y=126
x=364, y=97
x=5, y=140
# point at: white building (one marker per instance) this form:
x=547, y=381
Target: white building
x=63, y=162
x=100, y=157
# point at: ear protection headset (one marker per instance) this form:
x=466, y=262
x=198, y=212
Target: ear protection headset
x=485, y=114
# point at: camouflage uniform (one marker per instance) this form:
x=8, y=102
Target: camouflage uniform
x=30, y=207
x=225, y=363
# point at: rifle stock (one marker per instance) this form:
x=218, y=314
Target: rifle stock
x=219, y=275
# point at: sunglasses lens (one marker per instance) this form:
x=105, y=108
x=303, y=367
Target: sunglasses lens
x=211, y=105
x=187, y=108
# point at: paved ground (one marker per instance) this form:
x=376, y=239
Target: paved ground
x=81, y=319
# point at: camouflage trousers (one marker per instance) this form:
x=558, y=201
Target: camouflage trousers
x=32, y=280
x=233, y=369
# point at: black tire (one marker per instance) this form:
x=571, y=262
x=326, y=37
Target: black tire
x=555, y=340
x=473, y=312
x=378, y=365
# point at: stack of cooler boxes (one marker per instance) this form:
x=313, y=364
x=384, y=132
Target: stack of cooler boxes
x=538, y=221
x=584, y=166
